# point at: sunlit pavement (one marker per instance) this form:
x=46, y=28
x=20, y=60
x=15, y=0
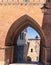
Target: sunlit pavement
x=34, y=63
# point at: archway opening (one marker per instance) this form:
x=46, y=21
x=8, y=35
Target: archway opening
x=13, y=33
x=27, y=46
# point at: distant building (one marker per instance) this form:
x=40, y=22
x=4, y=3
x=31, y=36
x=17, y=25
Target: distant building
x=27, y=49
x=22, y=46
x=33, y=50
x=22, y=39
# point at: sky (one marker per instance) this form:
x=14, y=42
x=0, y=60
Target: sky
x=32, y=33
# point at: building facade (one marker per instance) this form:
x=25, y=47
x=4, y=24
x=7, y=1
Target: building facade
x=27, y=48
x=34, y=49
x=22, y=47
x=16, y=16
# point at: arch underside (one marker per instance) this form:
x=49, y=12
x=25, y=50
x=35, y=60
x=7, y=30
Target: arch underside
x=20, y=25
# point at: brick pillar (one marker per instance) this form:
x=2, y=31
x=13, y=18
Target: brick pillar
x=47, y=31
x=5, y=54
x=48, y=56
x=2, y=56
x=48, y=43
x=42, y=54
x=9, y=53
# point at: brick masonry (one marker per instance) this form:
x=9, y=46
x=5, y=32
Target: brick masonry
x=9, y=14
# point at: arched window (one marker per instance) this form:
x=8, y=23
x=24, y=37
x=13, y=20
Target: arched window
x=28, y=59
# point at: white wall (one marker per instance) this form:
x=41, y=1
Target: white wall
x=35, y=45
x=22, y=41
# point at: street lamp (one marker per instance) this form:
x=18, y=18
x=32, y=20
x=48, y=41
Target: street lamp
x=44, y=8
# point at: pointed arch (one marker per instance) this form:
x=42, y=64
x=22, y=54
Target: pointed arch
x=15, y=30
x=21, y=24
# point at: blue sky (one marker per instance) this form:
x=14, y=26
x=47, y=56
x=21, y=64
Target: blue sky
x=32, y=33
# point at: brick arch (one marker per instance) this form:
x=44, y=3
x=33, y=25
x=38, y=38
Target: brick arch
x=21, y=24
x=14, y=31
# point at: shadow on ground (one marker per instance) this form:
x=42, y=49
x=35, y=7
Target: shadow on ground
x=27, y=63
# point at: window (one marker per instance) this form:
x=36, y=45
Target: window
x=31, y=50
x=21, y=36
